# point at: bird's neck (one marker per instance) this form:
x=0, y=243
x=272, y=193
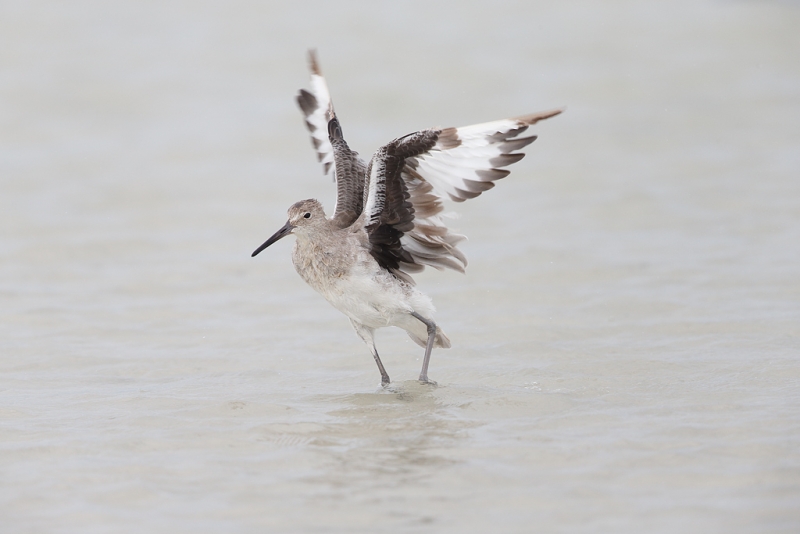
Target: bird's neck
x=321, y=258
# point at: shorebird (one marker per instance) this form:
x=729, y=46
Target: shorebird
x=387, y=221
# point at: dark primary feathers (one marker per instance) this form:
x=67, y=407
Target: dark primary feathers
x=390, y=211
x=350, y=178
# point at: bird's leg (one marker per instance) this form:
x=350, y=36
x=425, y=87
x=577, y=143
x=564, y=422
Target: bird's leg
x=384, y=375
x=367, y=336
x=423, y=375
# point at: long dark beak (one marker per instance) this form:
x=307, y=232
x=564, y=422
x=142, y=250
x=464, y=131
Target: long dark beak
x=283, y=232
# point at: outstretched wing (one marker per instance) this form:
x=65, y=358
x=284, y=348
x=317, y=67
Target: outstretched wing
x=338, y=161
x=317, y=107
x=410, y=176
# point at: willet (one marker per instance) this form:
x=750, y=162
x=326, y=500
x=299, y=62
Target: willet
x=387, y=221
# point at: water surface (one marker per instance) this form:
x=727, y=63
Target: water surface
x=626, y=343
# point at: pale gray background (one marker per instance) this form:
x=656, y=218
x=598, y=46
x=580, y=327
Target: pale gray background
x=625, y=342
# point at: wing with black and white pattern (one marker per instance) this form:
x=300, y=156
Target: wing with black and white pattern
x=318, y=110
x=338, y=160
x=410, y=176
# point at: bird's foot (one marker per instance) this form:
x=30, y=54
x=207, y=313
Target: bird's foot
x=428, y=381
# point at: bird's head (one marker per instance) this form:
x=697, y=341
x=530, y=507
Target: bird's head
x=303, y=217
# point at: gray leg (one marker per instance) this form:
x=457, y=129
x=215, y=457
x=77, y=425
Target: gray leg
x=423, y=375
x=367, y=336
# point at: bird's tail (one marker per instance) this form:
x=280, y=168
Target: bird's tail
x=441, y=341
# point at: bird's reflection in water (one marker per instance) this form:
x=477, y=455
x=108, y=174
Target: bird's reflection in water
x=404, y=430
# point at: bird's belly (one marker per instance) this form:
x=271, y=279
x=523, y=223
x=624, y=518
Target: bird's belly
x=371, y=301
x=378, y=300
x=366, y=293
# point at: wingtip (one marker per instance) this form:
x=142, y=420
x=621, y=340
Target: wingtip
x=533, y=118
x=313, y=64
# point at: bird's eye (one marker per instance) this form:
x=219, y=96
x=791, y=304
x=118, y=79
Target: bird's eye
x=307, y=215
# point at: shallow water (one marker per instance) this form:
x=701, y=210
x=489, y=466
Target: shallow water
x=626, y=343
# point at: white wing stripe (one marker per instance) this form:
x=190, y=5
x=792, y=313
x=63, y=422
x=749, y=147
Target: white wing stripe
x=377, y=188
x=470, y=172
x=464, y=163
